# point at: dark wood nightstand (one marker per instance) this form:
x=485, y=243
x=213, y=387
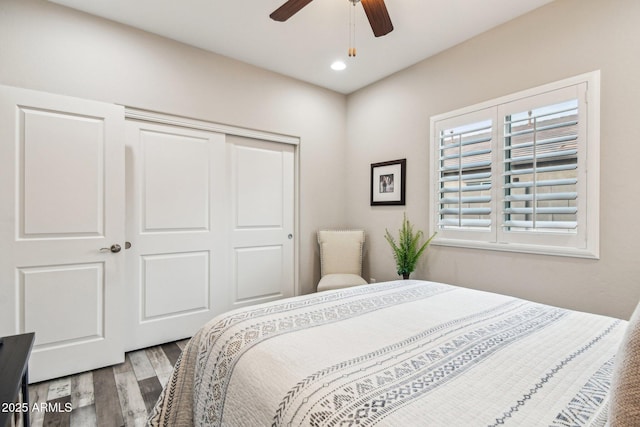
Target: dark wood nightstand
x=14, y=377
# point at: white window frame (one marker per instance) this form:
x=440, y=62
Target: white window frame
x=584, y=244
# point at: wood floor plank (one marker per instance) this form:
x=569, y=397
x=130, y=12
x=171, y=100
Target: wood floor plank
x=141, y=365
x=172, y=352
x=134, y=410
x=82, y=390
x=84, y=417
x=38, y=394
x=160, y=363
x=125, y=366
x=59, y=388
x=150, y=389
x=182, y=343
x=56, y=414
x=107, y=403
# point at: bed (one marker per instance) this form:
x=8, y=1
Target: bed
x=401, y=353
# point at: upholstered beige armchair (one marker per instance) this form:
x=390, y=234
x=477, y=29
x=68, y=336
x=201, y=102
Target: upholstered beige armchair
x=340, y=259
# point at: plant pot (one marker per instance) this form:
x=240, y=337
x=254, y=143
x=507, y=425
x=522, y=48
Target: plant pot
x=406, y=276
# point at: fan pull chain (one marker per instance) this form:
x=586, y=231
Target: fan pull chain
x=352, y=29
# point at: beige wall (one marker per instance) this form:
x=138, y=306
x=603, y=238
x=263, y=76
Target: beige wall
x=47, y=47
x=390, y=120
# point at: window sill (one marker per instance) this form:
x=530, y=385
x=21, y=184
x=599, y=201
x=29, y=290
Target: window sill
x=519, y=248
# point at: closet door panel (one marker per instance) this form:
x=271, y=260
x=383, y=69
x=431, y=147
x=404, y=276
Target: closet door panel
x=176, y=183
x=176, y=227
x=161, y=273
x=262, y=193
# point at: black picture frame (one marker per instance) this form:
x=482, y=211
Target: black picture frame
x=388, y=183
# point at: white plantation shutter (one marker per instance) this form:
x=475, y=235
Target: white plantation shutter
x=511, y=174
x=541, y=161
x=543, y=144
x=465, y=176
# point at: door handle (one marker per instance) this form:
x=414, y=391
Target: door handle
x=115, y=248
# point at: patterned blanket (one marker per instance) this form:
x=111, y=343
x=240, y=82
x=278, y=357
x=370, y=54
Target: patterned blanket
x=403, y=353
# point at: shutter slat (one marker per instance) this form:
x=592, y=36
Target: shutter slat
x=467, y=177
x=543, y=183
x=544, y=210
x=480, y=187
x=465, y=211
x=471, y=199
x=541, y=143
x=541, y=197
x=467, y=154
x=538, y=116
x=563, y=153
x=465, y=143
x=542, y=224
x=484, y=164
x=466, y=222
x=469, y=130
x=557, y=168
x=541, y=128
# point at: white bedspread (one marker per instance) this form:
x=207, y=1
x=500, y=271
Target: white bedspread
x=404, y=353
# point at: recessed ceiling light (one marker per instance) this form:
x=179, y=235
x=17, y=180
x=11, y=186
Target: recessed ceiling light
x=338, y=66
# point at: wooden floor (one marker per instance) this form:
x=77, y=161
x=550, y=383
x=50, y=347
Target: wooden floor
x=120, y=395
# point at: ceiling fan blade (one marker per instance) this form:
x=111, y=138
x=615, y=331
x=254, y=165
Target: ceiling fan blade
x=378, y=16
x=288, y=9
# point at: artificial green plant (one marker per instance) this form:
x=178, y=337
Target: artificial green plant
x=407, y=250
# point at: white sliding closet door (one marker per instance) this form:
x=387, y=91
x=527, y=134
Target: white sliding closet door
x=262, y=176
x=61, y=201
x=176, y=224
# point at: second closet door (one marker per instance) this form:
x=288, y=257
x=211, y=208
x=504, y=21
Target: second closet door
x=176, y=216
x=261, y=175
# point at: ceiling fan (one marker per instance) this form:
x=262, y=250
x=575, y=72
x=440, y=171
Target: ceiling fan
x=375, y=9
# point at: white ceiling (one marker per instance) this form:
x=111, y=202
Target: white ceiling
x=305, y=46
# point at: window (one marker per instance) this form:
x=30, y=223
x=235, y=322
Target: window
x=511, y=174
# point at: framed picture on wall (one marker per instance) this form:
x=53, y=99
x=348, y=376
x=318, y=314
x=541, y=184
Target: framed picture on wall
x=388, y=183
